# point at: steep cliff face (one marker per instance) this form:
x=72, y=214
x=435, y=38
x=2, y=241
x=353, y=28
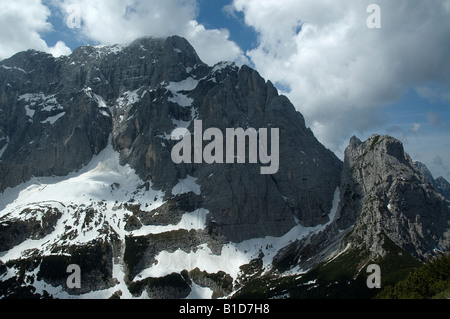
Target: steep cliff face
x=389, y=195
x=440, y=184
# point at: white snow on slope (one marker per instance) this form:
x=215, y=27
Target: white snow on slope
x=188, y=84
x=29, y=112
x=233, y=255
x=103, y=185
x=3, y=149
x=176, y=88
x=189, y=184
x=111, y=49
x=92, y=183
x=195, y=220
x=222, y=65
x=52, y=119
x=198, y=292
x=129, y=98
x=47, y=103
x=13, y=68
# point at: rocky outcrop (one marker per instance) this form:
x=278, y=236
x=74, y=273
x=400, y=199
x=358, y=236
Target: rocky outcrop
x=440, y=184
x=14, y=231
x=443, y=187
x=384, y=192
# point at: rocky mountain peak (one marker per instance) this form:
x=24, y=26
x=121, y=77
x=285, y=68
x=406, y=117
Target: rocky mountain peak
x=385, y=193
x=443, y=187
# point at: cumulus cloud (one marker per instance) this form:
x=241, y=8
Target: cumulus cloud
x=122, y=21
x=338, y=72
x=21, y=23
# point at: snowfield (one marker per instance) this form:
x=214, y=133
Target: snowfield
x=102, y=187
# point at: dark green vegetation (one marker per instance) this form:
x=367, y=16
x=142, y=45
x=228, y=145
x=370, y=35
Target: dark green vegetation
x=345, y=276
x=431, y=280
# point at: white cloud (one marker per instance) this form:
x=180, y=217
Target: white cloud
x=341, y=73
x=112, y=21
x=213, y=45
x=59, y=49
x=122, y=21
x=21, y=23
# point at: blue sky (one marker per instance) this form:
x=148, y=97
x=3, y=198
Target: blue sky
x=345, y=78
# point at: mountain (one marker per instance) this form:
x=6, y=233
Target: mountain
x=443, y=187
x=440, y=184
x=88, y=178
x=387, y=215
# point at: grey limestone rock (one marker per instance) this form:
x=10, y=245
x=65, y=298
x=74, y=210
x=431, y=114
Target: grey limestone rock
x=440, y=184
x=443, y=187
x=384, y=192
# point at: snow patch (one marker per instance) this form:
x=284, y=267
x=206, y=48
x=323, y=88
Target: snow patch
x=13, y=68
x=105, y=50
x=233, y=255
x=181, y=99
x=222, y=65
x=51, y=120
x=101, y=102
x=198, y=292
x=47, y=103
x=195, y=220
x=176, y=88
x=189, y=184
x=3, y=149
x=188, y=84
x=103, y=185
x=29, y=112
x=334, y=208
x=129, y=98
